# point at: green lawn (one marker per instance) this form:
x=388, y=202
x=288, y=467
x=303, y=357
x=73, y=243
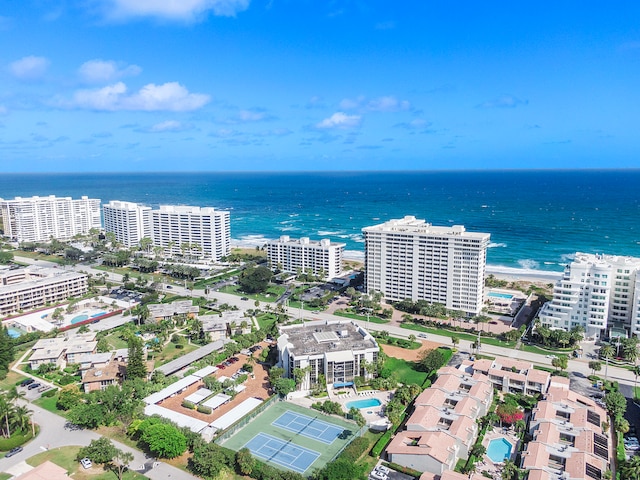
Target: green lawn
x=354, y=316
x=405, y=371
x=11, y=380
x=65, y=457
x=265, y=320
x=49, y=403
x=39, y=256
x=546, y=351
x=115, y=341
x=5, y=476
x=270, y=296
x=462, y=335
x=170, y=352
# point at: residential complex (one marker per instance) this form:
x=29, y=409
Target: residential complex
x=509, y=375
x=198, y=231
x=201, y=232
x=29, y=288
x=411, y=259
x=38, y=219
x=321, y=257
x=128, y=221
x=337, y=350
x=568, y=439
x=62, y=350
x=596, y=292
x=443, y=426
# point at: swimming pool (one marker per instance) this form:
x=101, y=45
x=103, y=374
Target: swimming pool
x=508, y=296
x=365, y=403
x=79, y=318
x=499, y=450
x=14, y=332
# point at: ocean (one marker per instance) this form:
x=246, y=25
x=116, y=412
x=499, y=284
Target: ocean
x=537, y=219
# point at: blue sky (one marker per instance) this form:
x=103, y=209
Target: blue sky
x=152, y=85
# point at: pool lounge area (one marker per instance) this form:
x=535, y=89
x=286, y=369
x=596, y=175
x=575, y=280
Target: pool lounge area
x=501, y=445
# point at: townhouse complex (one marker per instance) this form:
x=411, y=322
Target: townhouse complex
x=509, y=375
x=443, y=426
x=596, y=292
x=321, y=257
x=28, y=288
x=337, y=350
x=38, y=219
x=412, y=259
x=196, y=231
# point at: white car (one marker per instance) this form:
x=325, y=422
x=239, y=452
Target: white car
x=86, y=463
x=551, y=356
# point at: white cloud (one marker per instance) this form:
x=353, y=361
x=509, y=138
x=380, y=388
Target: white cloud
x=250, y=116
x=169, y=96
x=99, y=71
x=29, y=68
x=173, y=9
x=340, y=120
x=380, y=104
x=388, y=104
x=505, y=101
x=167, y=126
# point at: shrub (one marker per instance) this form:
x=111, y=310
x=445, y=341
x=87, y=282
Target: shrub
x=50, y=393
x=203, y=409
x=355, y=449
x=381, y=443
x=188, y=404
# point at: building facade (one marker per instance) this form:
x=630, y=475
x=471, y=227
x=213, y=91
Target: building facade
x=128, y=221
x=29, y=288
x=38, y=219
x=321, y=257
x=596, y=292
x=338, y=350
x=196, y=231
x=411, y=259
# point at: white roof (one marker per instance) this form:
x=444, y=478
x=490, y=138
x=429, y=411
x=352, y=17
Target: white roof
x=171, y=389
x=180, y=419
x=236, y=413
x=216, y=401
x=206, y=371
x=199, y=395
x=340, y=356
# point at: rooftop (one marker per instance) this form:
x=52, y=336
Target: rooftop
x=315, y=338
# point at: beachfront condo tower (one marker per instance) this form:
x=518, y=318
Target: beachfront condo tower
x=128, y=221
x=194, y=231
x=320, y=257
x=598, y=293
x=412, y=259
x=39, y=219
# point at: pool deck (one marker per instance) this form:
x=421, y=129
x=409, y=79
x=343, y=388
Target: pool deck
x=487, y=465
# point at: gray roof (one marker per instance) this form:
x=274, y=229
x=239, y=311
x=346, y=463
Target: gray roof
x=321, y=337
x=191, y=357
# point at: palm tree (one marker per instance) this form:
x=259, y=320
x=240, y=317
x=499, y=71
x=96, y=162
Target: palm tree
x=607, y=352
x=510, y=471
x=22, y=416
x=455, y=340
x=636, y=372
x=630, y=470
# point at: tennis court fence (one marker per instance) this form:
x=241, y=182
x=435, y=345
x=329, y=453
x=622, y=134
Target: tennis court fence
x=357, y=434
x=234, y=427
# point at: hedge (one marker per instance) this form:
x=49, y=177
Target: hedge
x=381, y=444
x=401, y=469
x=15, y=440
x=50, y=393
x=188, y=404
x=203, y=409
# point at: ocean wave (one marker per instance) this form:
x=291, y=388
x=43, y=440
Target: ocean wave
x=529, y=264
x=249, y=241
x=288, y=229
x=326, y=233
x=354, y=255
x=567, y=257
x=496, y=245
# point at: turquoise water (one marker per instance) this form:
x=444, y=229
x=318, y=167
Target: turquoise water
x=537, y=219
x=98, y=314
x=365, y=403
x=14, y=332
x=499, y=295
x=499, y=449
x=79, y=318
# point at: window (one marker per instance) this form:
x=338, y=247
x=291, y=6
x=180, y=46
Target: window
x=593, y=418
x=593, y=472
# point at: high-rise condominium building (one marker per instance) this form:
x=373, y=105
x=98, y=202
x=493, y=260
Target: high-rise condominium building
x=322, y=257
x=197, y=231
x=38, y=219
x=129, y=222
x=412, y=259
x=596, y=292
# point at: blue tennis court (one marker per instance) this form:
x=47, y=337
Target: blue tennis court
x=308, y=427
x=272, y=449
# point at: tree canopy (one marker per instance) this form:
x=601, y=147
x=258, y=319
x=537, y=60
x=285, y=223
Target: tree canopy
x=255, y=279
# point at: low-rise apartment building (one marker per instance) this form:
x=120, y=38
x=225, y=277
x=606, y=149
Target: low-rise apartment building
x=28, y=288
x=443, y=425
x=320, y=257
x=568, y=440
x=62, y=351
x=337, y=350
x=510, y=375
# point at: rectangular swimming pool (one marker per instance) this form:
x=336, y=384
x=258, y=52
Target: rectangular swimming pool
x=365, y=403
x=507, y=296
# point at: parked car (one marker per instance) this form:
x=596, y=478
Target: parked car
x=27, y=382
x=13, y=452
x=169, y=287
x=244, y=298
x=86, y=463
x=34, y=385
x=234, y=359
x=221, y=366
